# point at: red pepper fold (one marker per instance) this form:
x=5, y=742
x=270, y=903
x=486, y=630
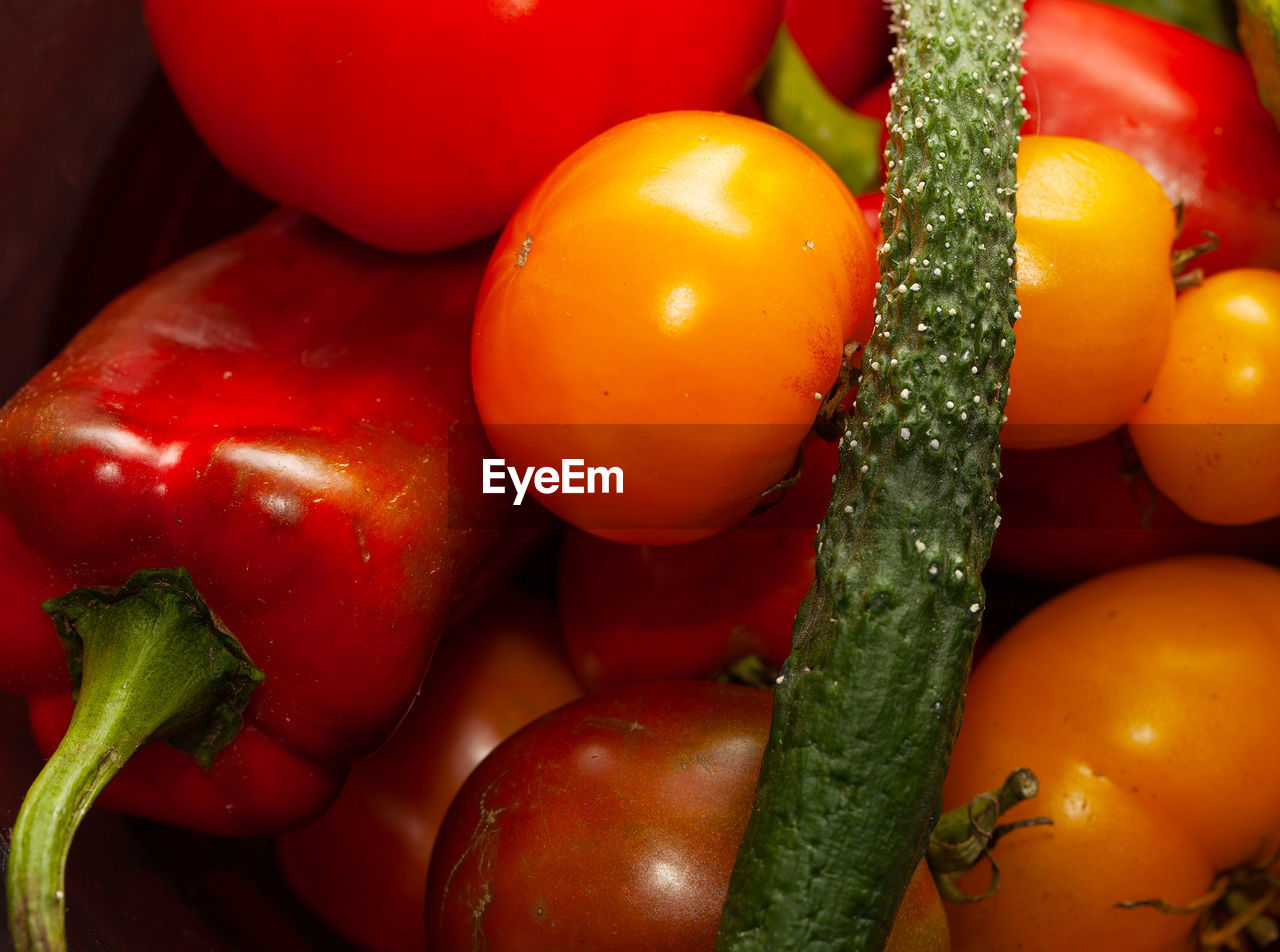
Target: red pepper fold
x=275, y=415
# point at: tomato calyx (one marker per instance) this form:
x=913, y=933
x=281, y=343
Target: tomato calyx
x=833, y=416
x=1142, y=491
x=1240, y=911
x=775, y=493
x=964, y=836
x=1179, y=258
x=830, y=423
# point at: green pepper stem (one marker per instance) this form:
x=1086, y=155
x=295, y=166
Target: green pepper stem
x=794, y=99
x=150, y=662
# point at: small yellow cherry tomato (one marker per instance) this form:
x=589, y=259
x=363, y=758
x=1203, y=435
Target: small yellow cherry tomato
x=1209, y=435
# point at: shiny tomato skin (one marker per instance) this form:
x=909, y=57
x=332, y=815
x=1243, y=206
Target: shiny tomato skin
x=633, y=613
x=362, y=866
x=418, y=125
x=613, y=823
x=1095, y=293
x=1182, y=106
x=673, y=300
x=1143, y=701
x=1208, y=433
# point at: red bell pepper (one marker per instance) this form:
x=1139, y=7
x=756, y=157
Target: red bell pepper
x=418, y=126
x=273, y=414
x=847, y=42
x=1184, y=107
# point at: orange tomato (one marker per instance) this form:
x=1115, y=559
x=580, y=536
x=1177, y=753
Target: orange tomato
x=673, y=300
x=1094, y=234
x=921, y=924
x=1144, y=702
x=1209, y=434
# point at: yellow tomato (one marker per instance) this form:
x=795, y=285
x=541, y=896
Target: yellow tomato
x=1094, y=234
x=1142, y=700
x=673, y=300
x=1209, y=434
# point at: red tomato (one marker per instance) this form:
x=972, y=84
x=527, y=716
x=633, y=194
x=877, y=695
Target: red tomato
x=612, y=823
x=1184, y=107
x=362, y=867
x=1143, y=700
x=419, y=125
x=1067, y=514
x=673, y=301
x=847, y=42
x=1209, y=432
x=635, y=613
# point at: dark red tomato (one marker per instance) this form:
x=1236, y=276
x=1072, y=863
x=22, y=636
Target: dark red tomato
x=612, y=824
x=362, y=867
x=1184, y=107
x=634, y=613
x=417, y=124
x=1068, y=514
x=847, y=42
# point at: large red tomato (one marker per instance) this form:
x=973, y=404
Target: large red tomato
x=419, y=124
x=847, y=42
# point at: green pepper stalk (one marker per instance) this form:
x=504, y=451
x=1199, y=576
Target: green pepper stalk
x=1260, y=38
x=869, y=702
x=151, y=662
x=794, y=99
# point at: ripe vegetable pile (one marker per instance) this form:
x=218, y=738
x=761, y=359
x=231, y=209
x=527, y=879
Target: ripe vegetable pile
x=453, y=525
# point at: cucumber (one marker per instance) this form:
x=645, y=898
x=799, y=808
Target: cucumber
x=868, y=704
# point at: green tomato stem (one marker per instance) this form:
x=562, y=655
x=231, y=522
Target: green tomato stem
x=151, y=662
x=965, y=835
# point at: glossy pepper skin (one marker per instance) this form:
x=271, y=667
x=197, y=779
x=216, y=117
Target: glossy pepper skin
x=1184, y=107
x=417, y=125
x=274, y=414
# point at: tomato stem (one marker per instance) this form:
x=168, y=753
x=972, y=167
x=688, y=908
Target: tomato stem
x=964, y=836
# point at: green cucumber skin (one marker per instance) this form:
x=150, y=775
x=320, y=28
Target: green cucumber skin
x=869, y=702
